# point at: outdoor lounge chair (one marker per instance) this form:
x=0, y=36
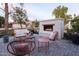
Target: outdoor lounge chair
x=22, y=43
x=46, y=40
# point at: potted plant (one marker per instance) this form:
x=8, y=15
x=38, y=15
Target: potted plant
x=6, y=37
x=75, y=38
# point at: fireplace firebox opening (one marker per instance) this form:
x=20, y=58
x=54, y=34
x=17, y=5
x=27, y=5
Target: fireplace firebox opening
x=48, y=27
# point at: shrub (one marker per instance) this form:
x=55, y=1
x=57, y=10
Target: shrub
x=10, y=32
x=67, y=36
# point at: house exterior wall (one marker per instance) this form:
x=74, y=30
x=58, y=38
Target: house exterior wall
x=16, y=26
x=58, y=26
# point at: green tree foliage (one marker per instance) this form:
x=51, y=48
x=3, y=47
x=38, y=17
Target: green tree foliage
x=36, y=23
x=75, y=24
x=18, y=15
x=35, y=26
x=61, y=12
x=1, y=21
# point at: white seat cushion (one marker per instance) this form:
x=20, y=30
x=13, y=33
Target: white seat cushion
x=52, y=35
x=20, y=32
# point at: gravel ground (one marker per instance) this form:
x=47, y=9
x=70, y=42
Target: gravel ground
x=57, y=48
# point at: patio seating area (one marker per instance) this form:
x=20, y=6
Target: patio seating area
x=56, y=48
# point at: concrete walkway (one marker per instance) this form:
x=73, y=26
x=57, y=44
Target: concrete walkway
x=57, y=48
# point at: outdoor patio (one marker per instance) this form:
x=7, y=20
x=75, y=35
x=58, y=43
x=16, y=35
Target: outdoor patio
x=57, y=48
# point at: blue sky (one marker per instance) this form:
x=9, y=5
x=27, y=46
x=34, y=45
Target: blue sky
x=43, y=11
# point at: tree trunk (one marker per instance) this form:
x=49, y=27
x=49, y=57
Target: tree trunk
x=6, y=17
x=20, y=23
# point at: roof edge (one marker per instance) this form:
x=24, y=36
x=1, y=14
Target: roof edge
x=52, y=19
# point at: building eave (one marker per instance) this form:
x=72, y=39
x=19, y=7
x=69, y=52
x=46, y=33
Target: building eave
x=56, y=19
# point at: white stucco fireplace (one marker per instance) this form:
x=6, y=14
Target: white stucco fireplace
x=47, y=26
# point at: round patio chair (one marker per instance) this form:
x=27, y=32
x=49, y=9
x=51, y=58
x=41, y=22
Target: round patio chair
x=21, y=47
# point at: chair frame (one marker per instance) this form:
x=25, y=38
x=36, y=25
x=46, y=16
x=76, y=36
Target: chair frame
x=13, y=52
x=47, y=43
